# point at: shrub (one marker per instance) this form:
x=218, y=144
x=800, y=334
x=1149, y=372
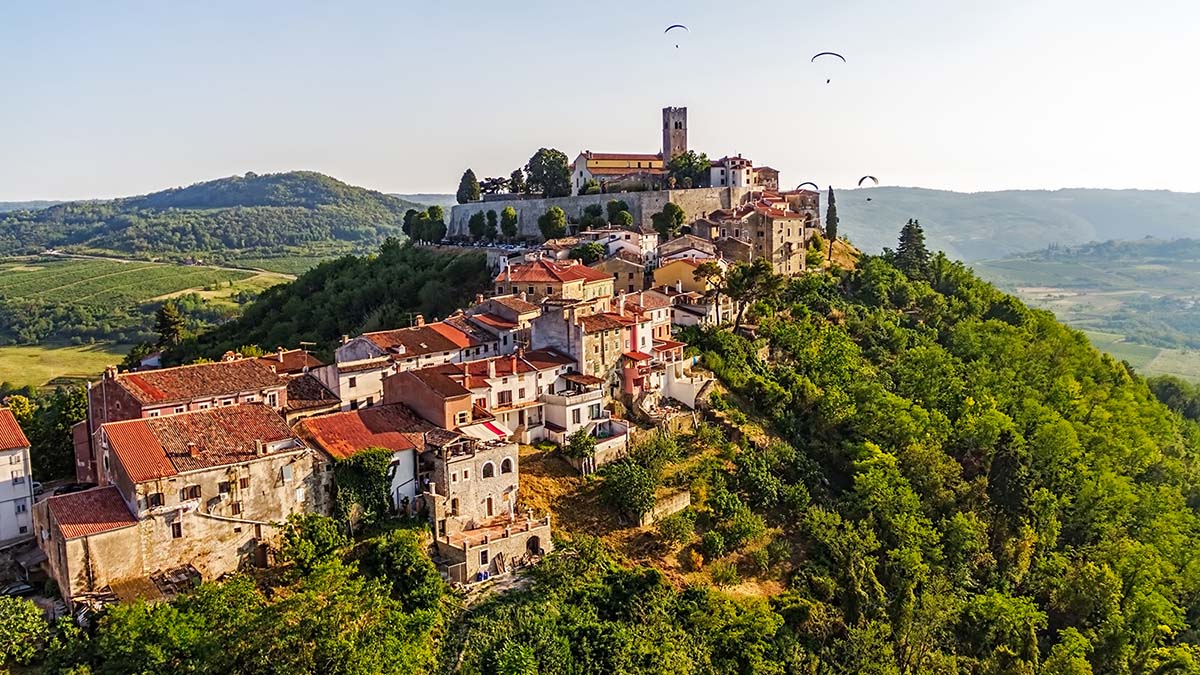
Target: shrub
x=309, y=539
x=629, y=487
x=398, y=558
x=762, y=559
x=656, y=451
x=712, y=544
x=691, y=560
x=743, y=528
x=724, y=574
x=678, y=529
x=580, y=445
x=22, y=630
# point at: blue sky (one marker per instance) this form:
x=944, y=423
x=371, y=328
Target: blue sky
x=115, y=98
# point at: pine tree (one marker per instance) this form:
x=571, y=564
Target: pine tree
x=169, y=324
x=468, y=188
x=831, y=223
x=516, y=182
x=911, y=255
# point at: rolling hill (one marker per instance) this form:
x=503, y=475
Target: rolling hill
x=975, y=226
x=298, y=212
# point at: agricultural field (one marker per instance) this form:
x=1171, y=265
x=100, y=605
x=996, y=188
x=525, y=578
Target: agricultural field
x=40, y=365
x=104, y=282
x=292, y=265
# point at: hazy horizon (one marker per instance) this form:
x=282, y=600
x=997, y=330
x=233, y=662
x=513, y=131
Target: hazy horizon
x=126, y=99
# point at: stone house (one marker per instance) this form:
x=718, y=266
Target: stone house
x=356, y=384
x=629, y=276
x=16, y=481
x=154, y=393
x=604, y=167
x=769, y=226
x=204, y=489
x=308, y=396
x=508, y=316
x=686, y=246
x=542, y=278
x=680, y=274
x=580, y=405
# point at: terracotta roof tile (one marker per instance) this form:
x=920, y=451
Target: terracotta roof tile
x=291, y=362
x=307, y=392
x=381, y=363
x=624, y=170
x=598, y=322
x=90, y=512
x=550, y=271
x=516, y=304
x=152, y=447
x=199, y=381
x=439, y=382
x=345, y=434
x=638, y=356
x=416, y=341
x=11, y=436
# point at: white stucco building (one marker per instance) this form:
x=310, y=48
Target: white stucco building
x=16, y=481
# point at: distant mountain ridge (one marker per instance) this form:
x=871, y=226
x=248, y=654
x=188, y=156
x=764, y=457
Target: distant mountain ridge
x=28, y=205
x=298, y=210
x=429, y=198
x=983, y=225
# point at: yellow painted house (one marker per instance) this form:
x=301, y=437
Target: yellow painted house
x=601, y=166
x=681, y=275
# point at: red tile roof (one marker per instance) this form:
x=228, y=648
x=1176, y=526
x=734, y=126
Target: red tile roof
x=626, y=156
x=638, y=356
x=540, y=359
x=381, y=363
x=345, y=434
x=291, y=362
x=307, y=392
x=599, y=322
x=80, y=514
x=204, y=380
x=416, y=341
x=11, y=436
x=644, y=301
x=439, y=382
x=516, y=304
x=543, y=271
x=153, y=447
x=494, y=320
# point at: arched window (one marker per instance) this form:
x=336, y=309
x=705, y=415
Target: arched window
x=506, y=466
x=489, y=470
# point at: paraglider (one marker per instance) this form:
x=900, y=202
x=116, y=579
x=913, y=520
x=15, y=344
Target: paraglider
x=816, y=188
x=864, y=179
x=676, y=26
x=829, y=54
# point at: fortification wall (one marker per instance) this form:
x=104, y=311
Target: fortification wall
x=642, y=205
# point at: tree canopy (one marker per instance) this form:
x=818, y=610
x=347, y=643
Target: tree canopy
x=548, y=173
x=468, y=188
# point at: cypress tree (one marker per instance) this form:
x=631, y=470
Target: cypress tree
x=169, y=324
x=831, y=223
x=468, y=188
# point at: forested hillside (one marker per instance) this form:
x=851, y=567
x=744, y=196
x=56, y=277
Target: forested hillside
x=979, y=225
x=300, y=211
x=347, y=296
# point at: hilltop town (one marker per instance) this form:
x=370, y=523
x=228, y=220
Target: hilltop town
x=192, y=472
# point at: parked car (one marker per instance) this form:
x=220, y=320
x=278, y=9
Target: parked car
x=19, y=588
x=37, y=488
x=73, y=487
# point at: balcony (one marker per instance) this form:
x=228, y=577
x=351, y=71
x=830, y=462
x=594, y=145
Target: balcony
x=569, y=398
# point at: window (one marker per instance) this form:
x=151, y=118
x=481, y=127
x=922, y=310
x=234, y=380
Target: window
x=14, y=459
x=286, y=471
x=273, y=400
x=189, y=492
x=227, y=401
x=594, y=411
x=251, y=399
x=506, y=466
x=223, y=487
x=466, y=474
x=453, y=507
x=489, y=507
x=354, y=404
x=23, y=529
x=353, y=382
x=176, y=530
x=575, y=416
x=461, y=418
x=454, y=477
x=521, y=393
x=153, y=413
x=299, y=495
x=549, y=290
x=236, y=508
x=154, y=500
x=370, y=401
x=244, y=482
x=483, y=557
x=20, y=505
x=18, y=477
x=504, y=397
x=531, y=290
x=205, y=406
x=489, y=470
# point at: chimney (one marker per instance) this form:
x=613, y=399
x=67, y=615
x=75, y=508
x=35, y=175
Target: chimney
x=491, y=366
x=479, y=298
x=522, y=296
x=621, y=304
x=345, y=339
x=281, y=353
x=420, y=320
x=110, y=372
x=259, y=448
x=193, y=449
x=229, y=356
x=679, y=285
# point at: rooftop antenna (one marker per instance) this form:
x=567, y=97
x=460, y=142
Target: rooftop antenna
x=305, y=345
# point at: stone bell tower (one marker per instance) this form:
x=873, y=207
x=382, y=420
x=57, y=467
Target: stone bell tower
x=674, y=133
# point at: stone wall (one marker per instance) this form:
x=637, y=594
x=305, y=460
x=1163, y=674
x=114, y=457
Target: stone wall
x=695, y=203
x=666, y=506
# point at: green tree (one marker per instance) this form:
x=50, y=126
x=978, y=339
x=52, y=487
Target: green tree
x=668, y=221
x=169, y=324
x=591, y=187
x=23, y=630
x=133, y=359
x=690, y=169
x=477, y=225
x=580, y=445
x=712, y=275
x=553, y=223
x=53, y=454
x=508, y=223
x=492, y=233
x=593, y=216
x=911, y=256
x=517, y=184
x=468, y=188
x=399, y=558
x=493, y=186
x=310, y=539
x=748, y=283
x=588, y=253
x=548, y=173
x=831, y=222
x=614, y=207
x=629, y=487
x=409, y=216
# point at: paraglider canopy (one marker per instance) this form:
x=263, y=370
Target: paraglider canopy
x=814, y=185
x=677, y=26
x=864, y=179
x=827, y=54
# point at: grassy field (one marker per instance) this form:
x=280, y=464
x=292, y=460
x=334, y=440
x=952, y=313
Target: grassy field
x=41, y=364
x=1149, y=360
x=293, y=265
x=104, y=282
